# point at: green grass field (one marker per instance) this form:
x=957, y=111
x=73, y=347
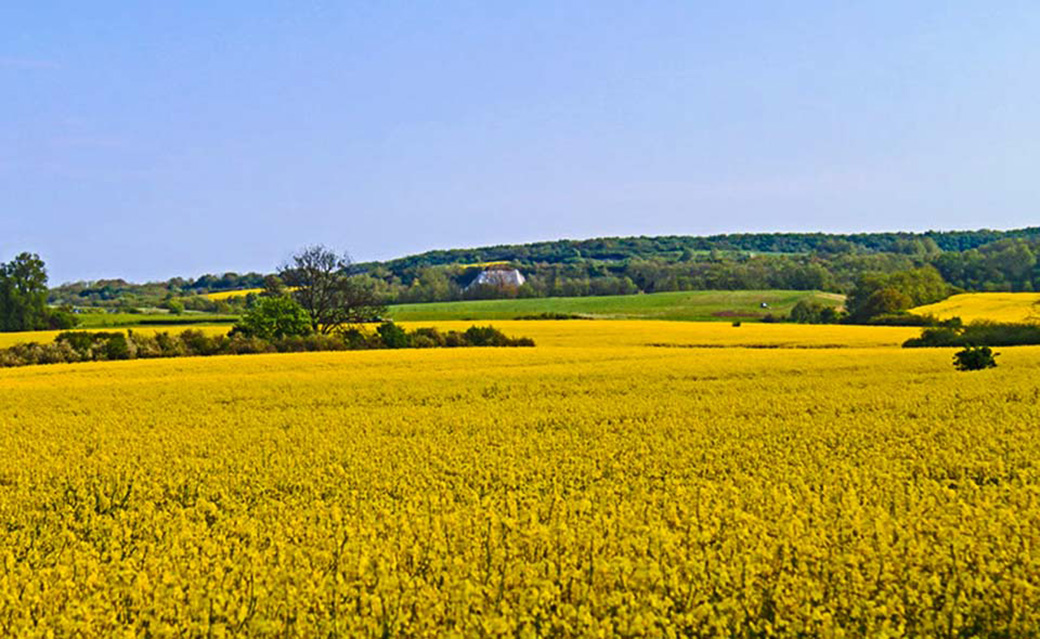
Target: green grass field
x=684, y=306
x=121, y=320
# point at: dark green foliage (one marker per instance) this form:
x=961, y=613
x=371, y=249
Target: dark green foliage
x=273, y=287
x=95, y=346
x=60, y=319
x=176, y=307
x=486, y=336
x=813, y=312
x=272, y=318
x=979, y=334
x=23, y=297
x=392, y=335
x=688, y=247
x=884, y=301
x=83, y=346
x=196, y=342
x=80, y=341
x=975, y=358
x=941, y=336
x=354, y=339
x=117, y=347
x=878, y=294
x=23, y=294
x=427, y=338
x=911, y=319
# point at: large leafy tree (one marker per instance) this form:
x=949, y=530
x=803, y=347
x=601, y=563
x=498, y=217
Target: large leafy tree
x=23, y=294
x=321, y=283
x=274, y=317
x=879, y=294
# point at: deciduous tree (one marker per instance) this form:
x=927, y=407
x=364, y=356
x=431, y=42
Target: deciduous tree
x=333, y=298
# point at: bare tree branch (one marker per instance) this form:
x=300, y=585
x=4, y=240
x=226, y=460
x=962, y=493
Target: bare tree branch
x=333, y=299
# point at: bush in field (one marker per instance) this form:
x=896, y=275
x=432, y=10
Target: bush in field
x=427, y=338
x=393, y=336
x=813, y=312
x=355, y=339
x=60, y=319
x=117, y=347
x=975, y=358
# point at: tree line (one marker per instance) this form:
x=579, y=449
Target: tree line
x=966, y=260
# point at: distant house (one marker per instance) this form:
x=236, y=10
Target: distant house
x=499, y=278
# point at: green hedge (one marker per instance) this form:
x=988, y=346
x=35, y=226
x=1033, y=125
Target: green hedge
x=83, y=346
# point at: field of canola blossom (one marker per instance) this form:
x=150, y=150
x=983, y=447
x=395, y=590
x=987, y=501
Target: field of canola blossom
x=591, y=486
x=996, y=307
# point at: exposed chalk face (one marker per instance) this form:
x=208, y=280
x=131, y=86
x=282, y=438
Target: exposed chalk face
x=502, y=278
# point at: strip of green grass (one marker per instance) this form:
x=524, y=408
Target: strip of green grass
x=114, y=320
x=684, y=306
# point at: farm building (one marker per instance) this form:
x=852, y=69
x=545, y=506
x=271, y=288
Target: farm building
x=498, y=277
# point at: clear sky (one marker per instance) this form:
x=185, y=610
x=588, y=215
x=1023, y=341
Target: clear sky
x=151, y=139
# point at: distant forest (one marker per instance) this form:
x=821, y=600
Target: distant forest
x=983, y=260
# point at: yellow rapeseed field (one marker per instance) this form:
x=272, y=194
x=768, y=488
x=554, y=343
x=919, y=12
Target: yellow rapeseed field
x=821, y=483
x=224, y=295
x=997, y=307
x=43, y=337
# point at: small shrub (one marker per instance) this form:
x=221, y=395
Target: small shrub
x=813, y=312
x=61, y=319
x=168, y=345
x=392, y=335
x=354, y=339
x=242, y=345
x=975, y=358
x=196, y=343
x=430, y=336
x=423, y=341
x=117, y=347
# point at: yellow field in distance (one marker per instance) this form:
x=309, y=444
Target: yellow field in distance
x=997, y=307
x=45, y=337
x=226, y=295
x=485, y=264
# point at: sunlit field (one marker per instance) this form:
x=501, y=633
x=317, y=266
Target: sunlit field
x=823, y=482
x=997, y=307
x=43, y=337
x=225, y=295
x=701, y=306
x=613, y=333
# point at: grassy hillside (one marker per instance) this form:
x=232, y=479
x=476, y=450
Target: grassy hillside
x=686, y=306
x=998, y=307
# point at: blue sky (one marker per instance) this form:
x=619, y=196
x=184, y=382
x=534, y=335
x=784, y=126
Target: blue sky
x=153, y=139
